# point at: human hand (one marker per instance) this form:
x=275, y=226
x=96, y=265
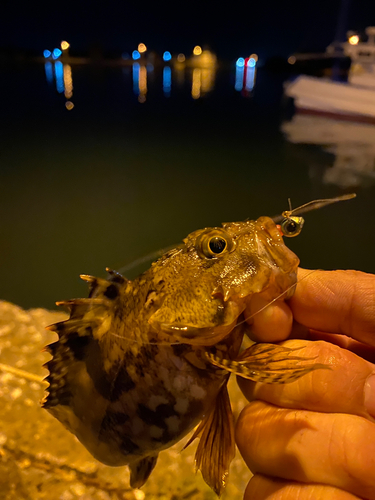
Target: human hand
x=314, y=438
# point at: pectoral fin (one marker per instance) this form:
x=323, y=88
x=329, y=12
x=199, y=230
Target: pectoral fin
x=267, y=363
x=141, y=470
x=216, y=448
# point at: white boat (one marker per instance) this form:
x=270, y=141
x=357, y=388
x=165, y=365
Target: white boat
x=352, y=100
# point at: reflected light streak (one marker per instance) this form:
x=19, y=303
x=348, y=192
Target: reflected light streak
x=250, y=78
x=239, y=77
x=140, y=81
x=143, y=80
x=59, y=76
x=196, y=83
x=136, y=67
x=68, y=81
x=49, y=72
x=208, y=80
x=167, y=81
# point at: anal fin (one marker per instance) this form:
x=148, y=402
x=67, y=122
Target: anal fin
x=141, y=470
x=216, y=448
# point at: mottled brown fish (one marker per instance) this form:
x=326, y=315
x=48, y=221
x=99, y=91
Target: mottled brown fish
x=140, y=363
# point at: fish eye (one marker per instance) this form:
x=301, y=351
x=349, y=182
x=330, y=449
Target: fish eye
x=292, y=226
x=213, y=243
x=217, y=244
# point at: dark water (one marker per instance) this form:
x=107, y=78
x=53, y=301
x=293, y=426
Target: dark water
x=115, y=178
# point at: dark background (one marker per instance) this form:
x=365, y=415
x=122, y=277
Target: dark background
x=268, y=28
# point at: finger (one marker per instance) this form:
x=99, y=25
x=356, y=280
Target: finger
x=309, y=447
x=347, y=387
x=365, y=351
x=268, y=488
x=336, y=301
x=269, y=322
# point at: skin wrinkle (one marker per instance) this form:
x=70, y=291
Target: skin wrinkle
x=314, y=293
x=262, y=487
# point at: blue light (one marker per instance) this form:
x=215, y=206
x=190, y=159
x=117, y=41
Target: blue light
x=250, y=78
x=136, y=55
x=46, y=53
x=49, y=72
x=59, y=76
x=136, y=69
x=240, y=62
x=239, y=78
x=167, y=81
x=167, y=56
x=56, y=53
x=252, y=62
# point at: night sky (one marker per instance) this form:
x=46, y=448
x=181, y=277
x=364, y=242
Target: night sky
x=231, y=29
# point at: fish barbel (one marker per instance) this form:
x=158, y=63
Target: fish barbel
x=140, y=363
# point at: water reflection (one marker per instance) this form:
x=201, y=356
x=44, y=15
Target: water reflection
x=49, y=72
x=140, y=81
x=203, y=81
x=352, y=144
x=62, y=75
x=167, y=81
x=203, y=75
x=245, y=75
x=59, y=76
x=68, y=81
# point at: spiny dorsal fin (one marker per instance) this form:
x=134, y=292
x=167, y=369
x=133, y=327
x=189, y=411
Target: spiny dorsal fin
x=216, y=448
x=90, y=320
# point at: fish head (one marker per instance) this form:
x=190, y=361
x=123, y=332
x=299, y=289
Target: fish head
x=209, y=279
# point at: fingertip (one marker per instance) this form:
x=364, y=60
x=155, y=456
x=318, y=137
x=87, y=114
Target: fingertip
x=269, y=322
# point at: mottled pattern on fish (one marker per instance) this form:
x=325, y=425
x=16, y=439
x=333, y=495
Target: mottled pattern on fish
x=140, y=363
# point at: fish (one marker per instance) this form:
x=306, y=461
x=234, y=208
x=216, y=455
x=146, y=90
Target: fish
x=141, y=363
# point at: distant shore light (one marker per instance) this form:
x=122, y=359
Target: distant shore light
x=197, y=51
x=56, y=53
x=135, y=55
x=292, y=59
x=65, y=45
x=240, y=62
x=46, y=53
x=142, y=48
x=252, y=62
x=181, y=58
x=255, y=57
x=167, y=56
x=354, y=40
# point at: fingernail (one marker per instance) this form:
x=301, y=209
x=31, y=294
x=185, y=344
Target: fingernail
x=370, y=395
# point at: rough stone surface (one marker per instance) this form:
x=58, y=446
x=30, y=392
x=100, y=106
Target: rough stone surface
x=40, y=459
